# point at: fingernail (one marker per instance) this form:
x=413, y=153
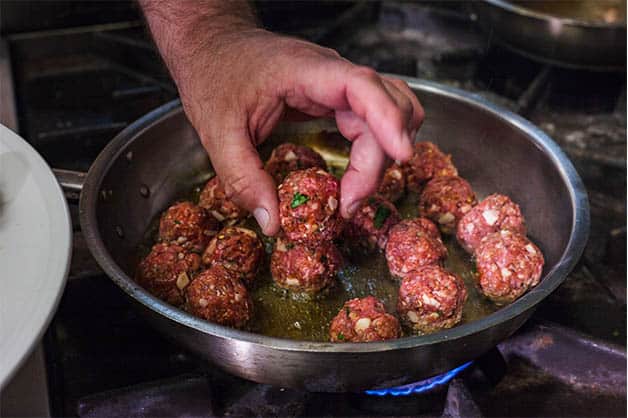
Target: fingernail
x=262, y=217
x=353, y=207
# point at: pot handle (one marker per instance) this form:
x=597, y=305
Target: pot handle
x=71, y=182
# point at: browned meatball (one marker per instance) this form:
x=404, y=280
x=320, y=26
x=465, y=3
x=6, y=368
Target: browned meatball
x=288, y=157
x=494, y=213
x=393, y=184
x=428, y=162
x=413, y=243
x=370, y=225
x=188, y=225
x=215, y=200
x=508, y=265
x=166, y=271
x=217, y=296
x=445, y=200
x=363, y=320
x=239, y=250
x=303, y=269
x=431, y=299
x=308, y=206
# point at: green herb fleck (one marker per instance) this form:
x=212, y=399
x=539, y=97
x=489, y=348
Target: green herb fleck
x=289, y=245
x=341, y=336
x=298, y=199
x=372, y=200
x=381, y=214
x=347, y=311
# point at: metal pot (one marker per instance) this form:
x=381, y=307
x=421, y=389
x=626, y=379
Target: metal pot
x=156, y=158
x=558, y=41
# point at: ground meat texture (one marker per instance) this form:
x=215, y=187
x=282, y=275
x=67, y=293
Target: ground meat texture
x=393, y=185
x=363, y=320
x=370, y=225
x=308, y=206
x=303, y=269
x=167, y=270
x=494, y=213
x=428, y=162
x=188, y=225
x=217, y=296
x=508, y=264
x=239, y=250
x=214, y=199
x=445, y=200
x=431, y=299
x=412, y=244
x=288, y=157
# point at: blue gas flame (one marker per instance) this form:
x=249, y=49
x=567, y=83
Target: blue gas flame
x=422, y=386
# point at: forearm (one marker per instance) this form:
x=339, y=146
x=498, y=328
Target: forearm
x=182, y=28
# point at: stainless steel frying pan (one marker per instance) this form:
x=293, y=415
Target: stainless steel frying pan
x=561, y=41
x=148, y=164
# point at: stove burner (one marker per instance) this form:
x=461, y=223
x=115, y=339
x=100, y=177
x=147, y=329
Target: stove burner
x=422, y=386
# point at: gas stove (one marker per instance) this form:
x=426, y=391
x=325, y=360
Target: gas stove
x=76, y=88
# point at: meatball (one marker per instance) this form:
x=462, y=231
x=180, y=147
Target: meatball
x=445, y=200
x=413, y=243
x=428, y=162
x=187, y=225
x=217, y=296
x=431, y=299
x=166, y=271
x=214, y=199
x=393, y=184
x=363, y=320
x=508, y=265
x=288, y=157
x=308, y=206
x=303, y=269
x=239, y=250
x=494, y=213
x=370, y=225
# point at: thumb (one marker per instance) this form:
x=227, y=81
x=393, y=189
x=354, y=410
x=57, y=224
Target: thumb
x=242, y=173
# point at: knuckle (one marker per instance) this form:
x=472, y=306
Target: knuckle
x=237, y=186
x=366, y=73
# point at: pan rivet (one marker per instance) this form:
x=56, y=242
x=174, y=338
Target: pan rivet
x=129, y=155
x=144, y=190
x=119, y=231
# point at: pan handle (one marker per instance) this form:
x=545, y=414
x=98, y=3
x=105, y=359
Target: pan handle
x=71, y=182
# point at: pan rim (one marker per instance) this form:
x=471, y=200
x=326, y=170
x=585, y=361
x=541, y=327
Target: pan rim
x=524, y=11
x=552, y=279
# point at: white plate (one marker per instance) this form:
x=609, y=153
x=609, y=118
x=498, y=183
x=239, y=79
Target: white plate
x=35, y=249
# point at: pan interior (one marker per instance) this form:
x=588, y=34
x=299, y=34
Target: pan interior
x=166, y=160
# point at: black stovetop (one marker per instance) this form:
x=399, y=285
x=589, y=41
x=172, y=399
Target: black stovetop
x=77, y=88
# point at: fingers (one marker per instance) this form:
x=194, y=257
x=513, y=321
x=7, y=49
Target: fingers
x=389, y=108
x=366, y=163
x=241, y=171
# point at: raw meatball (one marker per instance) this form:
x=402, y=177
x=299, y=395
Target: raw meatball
x=431, y=299
x=187, y=225
x=494, y=213
x=303, y=269
x=166, y=271
x=445, y=200
x=217, y=296
x=239, y=250
x=393, y=184
x=508, y=265
x=370, y=225
x=428, y=162
x=363, y=320
x=413, y=243
x=308, y=206
x=214, y=199
x=288, y=157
